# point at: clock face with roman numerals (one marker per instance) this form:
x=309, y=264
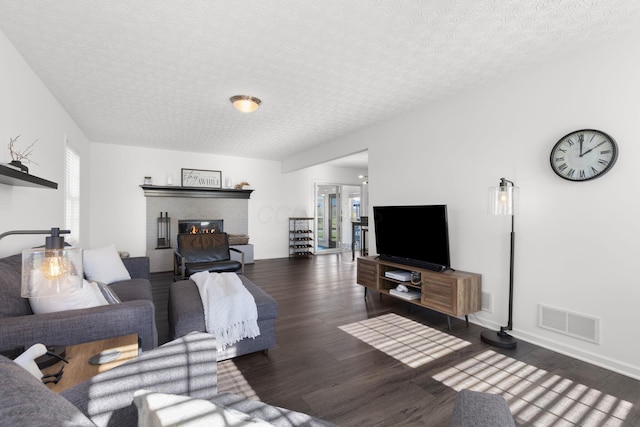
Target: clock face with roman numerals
x=583, y=155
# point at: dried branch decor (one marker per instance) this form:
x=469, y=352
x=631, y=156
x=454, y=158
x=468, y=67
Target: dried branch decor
x=21, y=156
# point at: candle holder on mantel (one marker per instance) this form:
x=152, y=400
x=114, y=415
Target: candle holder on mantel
x=164, y=231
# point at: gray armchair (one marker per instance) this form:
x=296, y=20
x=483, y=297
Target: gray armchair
x=205, y=252
x=136, y=314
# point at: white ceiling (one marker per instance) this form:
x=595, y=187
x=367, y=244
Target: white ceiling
x=354, y=161
x=159, y=73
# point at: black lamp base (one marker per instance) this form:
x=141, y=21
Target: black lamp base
x=498, y=339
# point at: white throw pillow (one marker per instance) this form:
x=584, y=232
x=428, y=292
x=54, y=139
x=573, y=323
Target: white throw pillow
x=108, y=293
x=104, y=265
x=160, y=410
x=89, y=296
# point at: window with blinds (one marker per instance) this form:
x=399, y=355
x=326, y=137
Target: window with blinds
x=72, y=196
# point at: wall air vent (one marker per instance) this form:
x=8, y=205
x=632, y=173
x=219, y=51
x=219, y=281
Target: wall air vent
x=487, y=302
x=568, y=323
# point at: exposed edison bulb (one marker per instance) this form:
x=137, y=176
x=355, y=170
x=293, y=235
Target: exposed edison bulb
x=504, y=195
x=54, y=265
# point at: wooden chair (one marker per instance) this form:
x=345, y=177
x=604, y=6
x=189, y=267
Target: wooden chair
x=205, y=252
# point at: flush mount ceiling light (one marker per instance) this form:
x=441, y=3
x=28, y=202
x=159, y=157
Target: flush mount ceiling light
x=245, y=103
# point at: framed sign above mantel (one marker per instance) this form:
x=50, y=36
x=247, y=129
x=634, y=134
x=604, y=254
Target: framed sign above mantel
x=201, y=178
x=175, y=191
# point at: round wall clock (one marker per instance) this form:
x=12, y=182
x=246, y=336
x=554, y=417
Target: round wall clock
x=583, y=155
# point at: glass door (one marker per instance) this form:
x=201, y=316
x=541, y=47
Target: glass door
x=328, y=217
x=338, y=206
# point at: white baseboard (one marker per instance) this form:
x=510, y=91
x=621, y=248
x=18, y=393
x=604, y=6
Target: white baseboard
x=557, y=346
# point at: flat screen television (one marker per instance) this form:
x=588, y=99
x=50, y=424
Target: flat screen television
x=413, y=235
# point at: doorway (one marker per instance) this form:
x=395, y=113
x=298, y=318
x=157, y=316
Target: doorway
x=337, y=206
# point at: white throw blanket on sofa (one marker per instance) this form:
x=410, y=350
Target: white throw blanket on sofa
x=230, y=312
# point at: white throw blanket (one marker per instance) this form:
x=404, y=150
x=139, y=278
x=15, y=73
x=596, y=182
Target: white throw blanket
x=230, y=312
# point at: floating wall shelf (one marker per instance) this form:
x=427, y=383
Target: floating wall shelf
x=11, y=176
x=177, y=191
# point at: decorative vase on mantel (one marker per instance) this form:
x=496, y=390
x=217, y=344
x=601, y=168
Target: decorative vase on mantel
x=19, y=165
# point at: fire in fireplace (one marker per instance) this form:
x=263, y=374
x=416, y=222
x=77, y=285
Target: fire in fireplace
x=200, y=226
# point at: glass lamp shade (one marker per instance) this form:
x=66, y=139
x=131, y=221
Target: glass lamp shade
x=50, y=272
x=502, y=200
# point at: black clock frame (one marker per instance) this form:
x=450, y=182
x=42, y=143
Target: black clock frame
x=604, y=171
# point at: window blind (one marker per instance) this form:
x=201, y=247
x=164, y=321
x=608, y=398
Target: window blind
x=72, y=196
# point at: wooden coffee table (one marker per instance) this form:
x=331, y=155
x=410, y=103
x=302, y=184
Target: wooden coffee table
x=78, y=369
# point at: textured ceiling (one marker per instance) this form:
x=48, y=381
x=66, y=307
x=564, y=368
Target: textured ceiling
x=159, y=73
x=354, y=161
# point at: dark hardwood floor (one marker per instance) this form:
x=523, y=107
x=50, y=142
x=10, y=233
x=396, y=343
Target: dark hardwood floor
x=390, y=371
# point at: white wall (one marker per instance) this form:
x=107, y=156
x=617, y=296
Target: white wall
x=28, y=109
x=118, y=208
x=575, y=244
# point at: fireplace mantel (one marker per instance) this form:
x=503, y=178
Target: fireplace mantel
x=177, y=191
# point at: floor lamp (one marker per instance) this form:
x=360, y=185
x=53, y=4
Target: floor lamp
x=501, y=202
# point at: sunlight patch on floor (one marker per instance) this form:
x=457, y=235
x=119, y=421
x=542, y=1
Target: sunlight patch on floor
x=231, y=379
x=407, y=341
x=535, y=396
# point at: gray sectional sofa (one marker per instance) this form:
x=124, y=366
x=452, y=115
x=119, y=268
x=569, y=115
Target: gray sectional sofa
x=186, y=314
x=135, y=314
x=480, y=409
x=186, y=366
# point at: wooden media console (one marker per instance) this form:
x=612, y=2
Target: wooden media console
x=454, y=293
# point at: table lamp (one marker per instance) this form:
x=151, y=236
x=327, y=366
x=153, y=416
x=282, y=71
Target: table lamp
x=53, y=269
